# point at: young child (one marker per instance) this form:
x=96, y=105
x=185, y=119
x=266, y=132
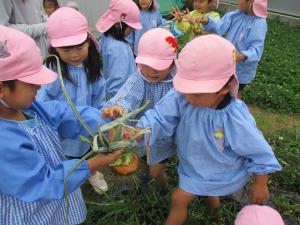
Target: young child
x=118, y=62
x=218, y=143
x=50, y=6
x=186, y=21
x=246, y=28
x=258, y=215
x=150, y=18
x=32, y=161
x=77, y=51
x=153, y=80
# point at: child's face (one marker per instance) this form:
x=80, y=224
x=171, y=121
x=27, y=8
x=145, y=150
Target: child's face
x=49, y=7
x=201, y=5
x=21, y=97
x=74, y=55
x=210, y=100
x=145, y=4
x=244, y=5
x=153, y=75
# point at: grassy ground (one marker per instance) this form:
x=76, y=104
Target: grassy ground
x=274, y=99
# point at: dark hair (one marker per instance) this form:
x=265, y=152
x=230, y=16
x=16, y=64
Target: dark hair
x=10, y=83
x=55, y=2
x=92, y=64
x=116, y=32
x=151, y=7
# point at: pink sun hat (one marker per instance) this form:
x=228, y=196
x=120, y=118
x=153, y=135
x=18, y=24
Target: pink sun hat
x=260, y=8
x=157, y=49
x=68, y=27
x=120, y=11
x=205, y=65
x=258, y=215
x=20, y=59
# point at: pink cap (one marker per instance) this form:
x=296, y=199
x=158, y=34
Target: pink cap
x=205, y=65
x=258, y=215
x=120, y=11
x=157, y=49
x=68, y=27
x=20, y=59
x=260, y=8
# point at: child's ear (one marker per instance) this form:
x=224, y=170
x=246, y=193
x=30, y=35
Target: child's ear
x=1, y=89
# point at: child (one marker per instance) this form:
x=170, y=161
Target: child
x=186, y=22
x=77, y=51
x=151, y=82
x=116, y=23
x=150, y=18
x=258, y=215
x=50, y=6
x=32, y=162
x=219, y=146
x=246, y=28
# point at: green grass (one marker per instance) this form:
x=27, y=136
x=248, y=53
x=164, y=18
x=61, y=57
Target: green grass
x=277, y=82
x=274, y=96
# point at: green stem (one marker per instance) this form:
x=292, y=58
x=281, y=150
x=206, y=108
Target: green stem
x=83, y=123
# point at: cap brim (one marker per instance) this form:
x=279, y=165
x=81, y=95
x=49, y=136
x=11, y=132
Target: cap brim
x=105, y=22
x=157, y=64
x=69, y=41
x=136, y=26
x=204, y=86
x=44, y=76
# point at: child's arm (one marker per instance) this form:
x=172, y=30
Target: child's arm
x=26, y=174
x=218, y=26
x=255, y=42
x=259, y=190
x=130, y=96
x=247, y=141
x=117, y=67
x=163, y=119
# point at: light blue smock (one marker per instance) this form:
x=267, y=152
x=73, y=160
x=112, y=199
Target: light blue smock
x=33, y=166
x=118, y=63
x=247, y=34
x=217, y=149
x=82, y=93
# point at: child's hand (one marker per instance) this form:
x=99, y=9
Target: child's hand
x=189, y=17
x=259, y=190
x=202, y=20
x=177, y=14
x=239, y=56
x=101, y=160
x=112, y=112
x=129, y=133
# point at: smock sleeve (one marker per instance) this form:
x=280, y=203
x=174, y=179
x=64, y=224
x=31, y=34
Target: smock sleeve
x=250, y=142
x=130, y=95
x=219, y=26
x=256, y=39
x=117, y=68
x=25, y=174
x=163, y=119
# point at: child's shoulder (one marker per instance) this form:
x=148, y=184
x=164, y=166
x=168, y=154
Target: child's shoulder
x=238, y=110
x=213, y=14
